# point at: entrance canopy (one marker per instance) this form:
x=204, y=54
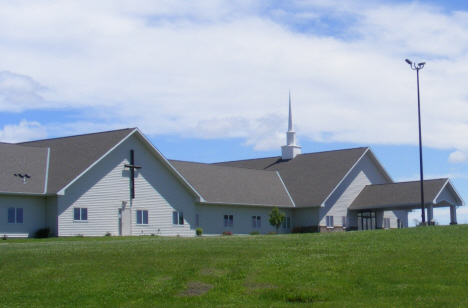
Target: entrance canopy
x=407, y=196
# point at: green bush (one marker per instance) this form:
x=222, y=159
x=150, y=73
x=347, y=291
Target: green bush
x=199, y=231
x=43, y=233
x=255, y=233
x=108, y=234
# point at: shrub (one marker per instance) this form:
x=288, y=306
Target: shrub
x=43, y=233
x=272, y=233
x=255, y=233
x=5, y=237
x=108, y=234
x=227, y=233
x=199, y=231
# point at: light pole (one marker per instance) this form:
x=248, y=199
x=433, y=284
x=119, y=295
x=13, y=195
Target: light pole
x=417, y=67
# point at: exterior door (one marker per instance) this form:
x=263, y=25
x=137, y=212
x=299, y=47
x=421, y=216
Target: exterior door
x=366, y=220
x=125, y=227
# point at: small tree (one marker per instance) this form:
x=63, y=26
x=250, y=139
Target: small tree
x=276, y=218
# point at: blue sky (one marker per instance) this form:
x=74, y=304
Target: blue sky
x=208, y=80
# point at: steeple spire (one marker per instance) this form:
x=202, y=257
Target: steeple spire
x=290, y=150
x=290, y=125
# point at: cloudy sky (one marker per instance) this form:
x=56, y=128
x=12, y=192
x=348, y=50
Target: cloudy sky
x=209, y=80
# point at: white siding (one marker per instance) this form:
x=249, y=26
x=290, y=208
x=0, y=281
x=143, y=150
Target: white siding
x=34, y=215
x=446, y=195
x=106, y=187
x=212, y=219
x=364, y=173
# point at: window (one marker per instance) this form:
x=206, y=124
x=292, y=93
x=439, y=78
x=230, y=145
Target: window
x=386, y=223
x=80, y=214
x=228, y=220
x=15, y=215
x=287, y=223
x=343, y=221
x=177, y=218
x=142, y=217
x=197, y=220
x=256, y=221
x=330, y=222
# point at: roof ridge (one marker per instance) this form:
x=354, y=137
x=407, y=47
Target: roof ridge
x=302, y=154
x=217, y=165
x=404, y=182
x=73, y=136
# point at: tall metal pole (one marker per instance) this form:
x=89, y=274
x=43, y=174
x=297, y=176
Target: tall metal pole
x=423, y=214
x=417, y=68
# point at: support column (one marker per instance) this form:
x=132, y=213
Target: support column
x=430, y=214
x=453, y=215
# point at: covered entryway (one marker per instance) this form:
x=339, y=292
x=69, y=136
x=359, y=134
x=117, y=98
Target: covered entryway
x=366, y=220
x=405, y=196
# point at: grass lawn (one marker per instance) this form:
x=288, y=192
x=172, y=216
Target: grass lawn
x=417, y=267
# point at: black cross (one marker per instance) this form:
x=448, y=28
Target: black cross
x=132, y=167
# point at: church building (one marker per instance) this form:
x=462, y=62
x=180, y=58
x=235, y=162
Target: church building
x=118, y=183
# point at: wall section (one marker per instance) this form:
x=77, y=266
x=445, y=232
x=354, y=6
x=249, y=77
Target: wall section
x=105, y=189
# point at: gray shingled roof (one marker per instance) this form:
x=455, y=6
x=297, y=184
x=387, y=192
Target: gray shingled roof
x=17, y=159
x=397, y=195
x=70, y=156
x=309, y=178
x=221, y=184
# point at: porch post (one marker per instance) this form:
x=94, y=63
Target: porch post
x=453, y=215
x=430, y=214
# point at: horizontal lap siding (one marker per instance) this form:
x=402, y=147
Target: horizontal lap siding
x=159, y=192
x=364, y=173
x=34, y=215
x=106, y=188
x=447, y=196
x=212, y=219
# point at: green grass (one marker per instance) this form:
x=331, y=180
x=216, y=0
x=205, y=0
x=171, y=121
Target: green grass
x=417, y=267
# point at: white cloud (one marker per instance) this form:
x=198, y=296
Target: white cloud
x=457, y=157
x=20, y=92
x=24, y=131
x=218, y=69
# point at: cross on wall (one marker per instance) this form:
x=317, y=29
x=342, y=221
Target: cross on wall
x=132, y=168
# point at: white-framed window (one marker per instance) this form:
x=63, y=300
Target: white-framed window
x=386, y=222
x=287, y=223
x=197, y=220
x=344, y=221
x=228, y=220
x=15, y=215
x=177, y=218
x=80, y=214
x=142, y=217
x=330, y=222
x=256, y=221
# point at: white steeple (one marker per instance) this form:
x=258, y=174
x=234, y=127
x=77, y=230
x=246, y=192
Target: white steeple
x=290, y=150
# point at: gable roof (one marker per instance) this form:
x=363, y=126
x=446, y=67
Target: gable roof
x=229, y=185
x=71, y=156
x=403, y=195
x=23, y=160
x=310, y=178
